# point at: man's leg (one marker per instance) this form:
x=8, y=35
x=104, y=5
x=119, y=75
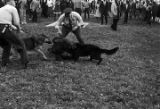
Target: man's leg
x=65, y=32
x=77, y=33
x=24, y=16
x=106, y=19
x=6, y=51
x=115, y=23
x=102, y=19
x=85, y=13
x=88, y=12
x=14, y=40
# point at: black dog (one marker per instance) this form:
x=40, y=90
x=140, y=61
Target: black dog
x=93, y=51
x=77, y=50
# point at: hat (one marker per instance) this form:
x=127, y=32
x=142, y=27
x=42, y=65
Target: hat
x=67, y=10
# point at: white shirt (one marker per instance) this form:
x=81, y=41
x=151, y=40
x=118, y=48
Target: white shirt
x=9, y=15
x=50, y=3
x=75, y=17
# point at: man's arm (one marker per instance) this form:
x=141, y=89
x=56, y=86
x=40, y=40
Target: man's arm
x=60, y=19
x=16, y=19
x=79, y=18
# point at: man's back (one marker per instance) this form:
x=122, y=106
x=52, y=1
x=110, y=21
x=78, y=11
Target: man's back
x=8, y=13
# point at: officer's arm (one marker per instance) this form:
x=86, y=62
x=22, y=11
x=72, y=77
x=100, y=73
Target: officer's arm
x=79, y=18
x=16, y=19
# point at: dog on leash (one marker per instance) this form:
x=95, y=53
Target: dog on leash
x=76, y=50
x=34, y=44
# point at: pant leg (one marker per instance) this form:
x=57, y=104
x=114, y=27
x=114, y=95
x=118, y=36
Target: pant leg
x=65, y=32
x=85, y=13
x=88, y=12
x=125, y=17
x=106, y=18
x=34, y=19
x=78, y=10
x=14, y=40
x=21, y=15
x=6, y=46
x=77, y=33
x=36, y=16
x=24, y=15
x=115, y=23
x=101, y=18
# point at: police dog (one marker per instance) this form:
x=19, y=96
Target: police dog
x=33, y=44
x=77, y=50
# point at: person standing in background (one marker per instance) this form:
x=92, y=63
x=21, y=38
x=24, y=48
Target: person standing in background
x=126, y=11
x=62, y=5
x=78, y=6
x=44, y=8
x=98, y=14
x=104, y=5
x=86, y=9
x=116, y=14
x=35, y=6
x=69, y=4
x=50, y=7
x=22, y=11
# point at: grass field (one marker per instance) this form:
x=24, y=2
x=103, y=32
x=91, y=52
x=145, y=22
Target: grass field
x=130, y=79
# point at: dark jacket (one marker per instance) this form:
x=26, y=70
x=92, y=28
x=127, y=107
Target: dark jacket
x=104, y=8
x=70, y=5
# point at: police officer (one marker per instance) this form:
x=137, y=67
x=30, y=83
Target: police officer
x=9, y=17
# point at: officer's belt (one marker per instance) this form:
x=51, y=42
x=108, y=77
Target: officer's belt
x=3, y=27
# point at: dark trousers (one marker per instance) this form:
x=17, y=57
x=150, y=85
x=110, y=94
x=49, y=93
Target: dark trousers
x=148, y=17
x=35, y=17
x=78, y=10
x=86, y=12
x=126, y=17
x=77, y=33
x=114, y=25
x=104, y=16
x=8, y=39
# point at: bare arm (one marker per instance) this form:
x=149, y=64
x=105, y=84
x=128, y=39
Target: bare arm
x=59, y=21
x=16, y=19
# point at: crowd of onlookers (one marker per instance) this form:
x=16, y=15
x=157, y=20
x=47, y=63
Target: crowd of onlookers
x=101, y=9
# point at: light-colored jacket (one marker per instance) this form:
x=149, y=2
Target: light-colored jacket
x=114, y=8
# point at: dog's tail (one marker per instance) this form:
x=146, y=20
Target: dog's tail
x=111, y=51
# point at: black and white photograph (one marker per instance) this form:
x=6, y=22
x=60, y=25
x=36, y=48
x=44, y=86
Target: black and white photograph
x=79, y=54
